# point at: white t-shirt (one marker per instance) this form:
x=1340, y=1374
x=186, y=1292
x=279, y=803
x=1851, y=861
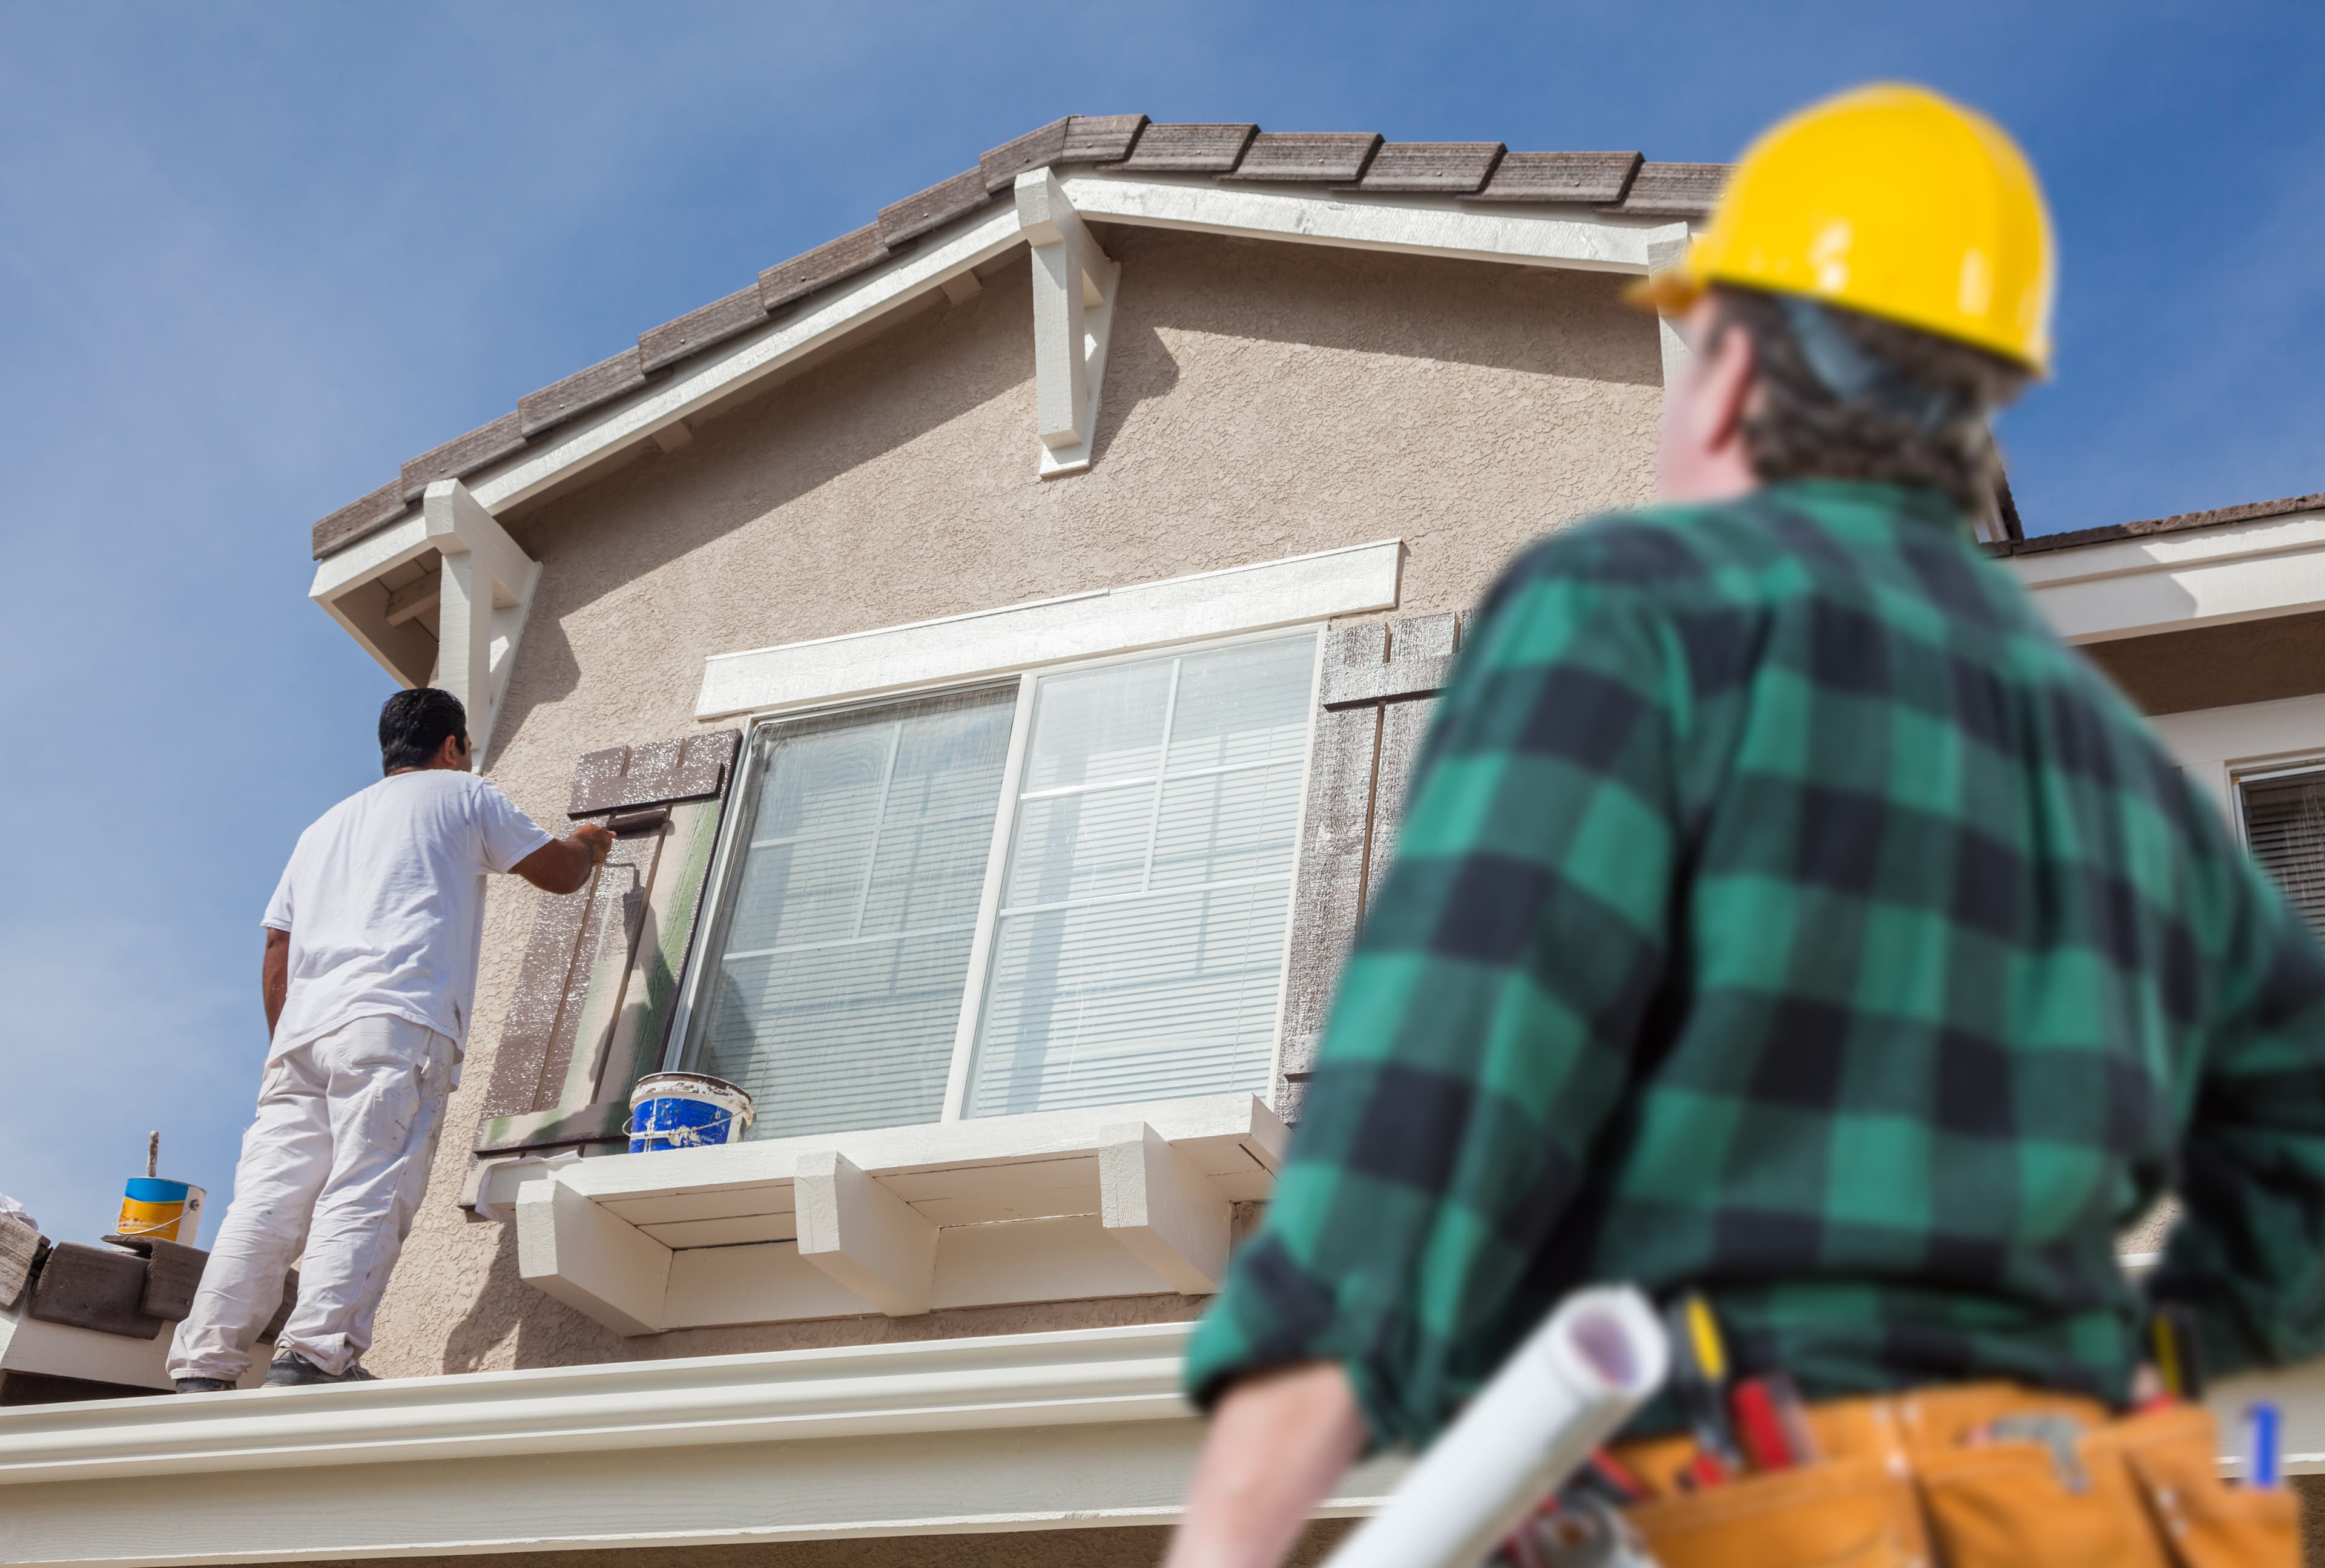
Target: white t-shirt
x=385, y=901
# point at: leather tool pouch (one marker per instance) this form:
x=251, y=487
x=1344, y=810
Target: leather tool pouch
x=2139, y=1492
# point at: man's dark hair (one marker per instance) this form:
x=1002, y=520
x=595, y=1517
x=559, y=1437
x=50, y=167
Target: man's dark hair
x=413, y=724
x=1844, y=396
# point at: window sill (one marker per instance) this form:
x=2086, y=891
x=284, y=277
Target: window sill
x=1058, y=1206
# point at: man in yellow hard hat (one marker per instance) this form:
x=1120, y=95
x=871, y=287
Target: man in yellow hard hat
x=1782, y=915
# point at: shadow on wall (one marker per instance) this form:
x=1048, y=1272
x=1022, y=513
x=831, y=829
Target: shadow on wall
x=546, y=1332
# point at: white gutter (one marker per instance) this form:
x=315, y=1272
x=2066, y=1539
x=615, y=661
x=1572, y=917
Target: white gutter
x=1076, y=1429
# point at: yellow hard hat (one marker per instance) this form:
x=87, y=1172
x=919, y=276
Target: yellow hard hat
x=1892, y=200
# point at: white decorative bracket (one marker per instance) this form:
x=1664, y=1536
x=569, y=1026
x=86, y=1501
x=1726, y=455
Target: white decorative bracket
x=1665, y=251
x=485, y=593
x=1073, y=316
x=1154, y=1201
x=862, y=1235
x=589, y=1258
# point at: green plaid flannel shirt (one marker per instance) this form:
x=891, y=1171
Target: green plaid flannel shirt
x=1781, y=910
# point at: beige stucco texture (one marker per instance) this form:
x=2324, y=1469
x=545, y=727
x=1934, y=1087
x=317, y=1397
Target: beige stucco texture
x=1261, y=400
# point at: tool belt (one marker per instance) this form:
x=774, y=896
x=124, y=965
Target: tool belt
x=1941, y=1477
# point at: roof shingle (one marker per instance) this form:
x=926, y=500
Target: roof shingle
x=1597, y=177
x=1447, y=168
x=581, y=392
x=1189, y=149
x=1308, y=157
x=934, y=208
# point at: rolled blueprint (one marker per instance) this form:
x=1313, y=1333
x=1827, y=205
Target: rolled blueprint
x=1565, y=1391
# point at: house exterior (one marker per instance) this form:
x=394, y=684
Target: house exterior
x=999, y=638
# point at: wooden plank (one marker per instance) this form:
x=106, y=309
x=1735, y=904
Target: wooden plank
x=1308, y=157
x=1597, y=177
x=95, y=1288
x=828, y=264
x=172, y=1275
x=607, y=1121
x=463, y=455
x=740, y=1230
x=1673, y=189
x=862, y=1235
x=415, y=599
x=701, y=329
x=616, y=901
x=1101, y=138
x=1450, y=168
x=735, y=1203
x=20, y=1243
x=622, y=777
x=1034, y=150
x=1420, y=657
x=1403, y=724
x=1208, y=149
x=932, y=209
x=581, y=392
x=1161, y=1209
x=1327, y=897
x=520, y=1060
x=368, y=515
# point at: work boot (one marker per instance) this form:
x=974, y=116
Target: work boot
x=204, y=1385
x=292, y=1370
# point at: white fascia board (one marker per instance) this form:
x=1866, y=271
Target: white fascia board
x=1083, y=626
x=1072, y=1430
x=1413, y=225
x=2131, y=587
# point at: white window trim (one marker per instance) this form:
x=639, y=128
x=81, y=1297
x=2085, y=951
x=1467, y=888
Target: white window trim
x=972, y=1005
x=2221, y=747
x=960, y=650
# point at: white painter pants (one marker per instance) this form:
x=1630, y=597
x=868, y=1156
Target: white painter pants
x=336, y=1161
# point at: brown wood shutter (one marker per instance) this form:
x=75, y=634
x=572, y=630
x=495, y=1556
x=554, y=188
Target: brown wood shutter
x=594, y=998
x=1376, y=698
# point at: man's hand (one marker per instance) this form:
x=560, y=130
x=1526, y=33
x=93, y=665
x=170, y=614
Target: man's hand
x=1278, y=1442
x=564, y=866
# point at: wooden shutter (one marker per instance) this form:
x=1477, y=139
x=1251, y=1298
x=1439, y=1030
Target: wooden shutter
x=1378, y=682
x=599, y=985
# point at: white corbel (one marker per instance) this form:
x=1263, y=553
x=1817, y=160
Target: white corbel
x=1155, y=1200
x=1073, y=316
x=1666, y=249
x=486, y=590
x=862, y=1235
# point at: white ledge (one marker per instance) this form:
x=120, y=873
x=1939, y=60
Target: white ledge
x=1255, y=598
x=1023, y=1432
x=902, y=1220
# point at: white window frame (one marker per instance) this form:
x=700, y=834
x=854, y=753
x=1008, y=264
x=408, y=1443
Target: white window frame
x=969, y=1021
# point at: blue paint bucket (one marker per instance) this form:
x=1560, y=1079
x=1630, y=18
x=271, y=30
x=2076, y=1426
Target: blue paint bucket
x=688, y=1111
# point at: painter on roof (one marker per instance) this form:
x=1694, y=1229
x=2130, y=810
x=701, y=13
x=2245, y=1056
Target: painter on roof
x=368, y=977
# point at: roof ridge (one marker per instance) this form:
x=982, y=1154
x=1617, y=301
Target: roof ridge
x=1484, y=172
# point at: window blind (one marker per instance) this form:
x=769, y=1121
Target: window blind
x=2285, y=827
x=843, y=950
x=1140, y=946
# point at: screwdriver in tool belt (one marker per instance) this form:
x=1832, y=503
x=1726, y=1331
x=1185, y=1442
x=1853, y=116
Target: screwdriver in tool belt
x=1698, y=1380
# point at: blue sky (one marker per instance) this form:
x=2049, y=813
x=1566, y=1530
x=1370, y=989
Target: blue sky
x=253, y=257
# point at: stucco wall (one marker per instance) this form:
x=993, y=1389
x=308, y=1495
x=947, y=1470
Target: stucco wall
x=1261, y=400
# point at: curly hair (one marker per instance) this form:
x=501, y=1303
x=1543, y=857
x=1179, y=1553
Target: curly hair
x=1845, y=395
